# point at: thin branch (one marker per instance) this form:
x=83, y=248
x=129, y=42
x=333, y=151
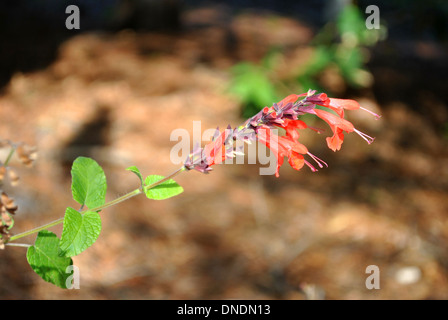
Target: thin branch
x=25, y=245
x=106, y=205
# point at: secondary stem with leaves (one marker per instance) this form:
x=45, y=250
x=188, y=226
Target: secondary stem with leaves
x=111, y=203
x=50, y=256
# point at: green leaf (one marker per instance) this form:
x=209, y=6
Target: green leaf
x=165, y=190
x=80, y=231
x=88, y=182
x=252, y=84
x=322, y=57
x=137, y=172
x=44, y=259
x=351, y=21
x=350, y=61
x=272, y=58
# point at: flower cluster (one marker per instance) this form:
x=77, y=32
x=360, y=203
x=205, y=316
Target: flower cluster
x=282, y=115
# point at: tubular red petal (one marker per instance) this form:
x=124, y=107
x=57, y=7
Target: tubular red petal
x=296, y=124
x=335, y=142
x=279, y=164
x=335, y=121
x=300, y=148
x=347, y=104
x=290, y=127
x=296, y=160
x=291, y=98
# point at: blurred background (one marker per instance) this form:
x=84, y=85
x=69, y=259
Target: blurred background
x=136, y=70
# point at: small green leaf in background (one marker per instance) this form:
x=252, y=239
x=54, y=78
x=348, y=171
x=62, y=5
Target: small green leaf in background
x=44, y=259
x=252, y=84
x=321, y=58
x=80, y=231
x=350, y=61
x=165, y=190
x=88, y=182
x=137, y=172
x=351, y=22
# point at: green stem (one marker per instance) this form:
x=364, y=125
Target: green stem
x=127, y=196
x=45, y=226
x=24, y=245
x=8, y=158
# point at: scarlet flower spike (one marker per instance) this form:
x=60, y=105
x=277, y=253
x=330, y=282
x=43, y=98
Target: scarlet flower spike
x=284, y=114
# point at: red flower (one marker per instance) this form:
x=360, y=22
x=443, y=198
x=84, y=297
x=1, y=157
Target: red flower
x=283, y=147
x=288, y=145
x=291, y=127
x=217, y=151
x=338, y=124
x=338, y=105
